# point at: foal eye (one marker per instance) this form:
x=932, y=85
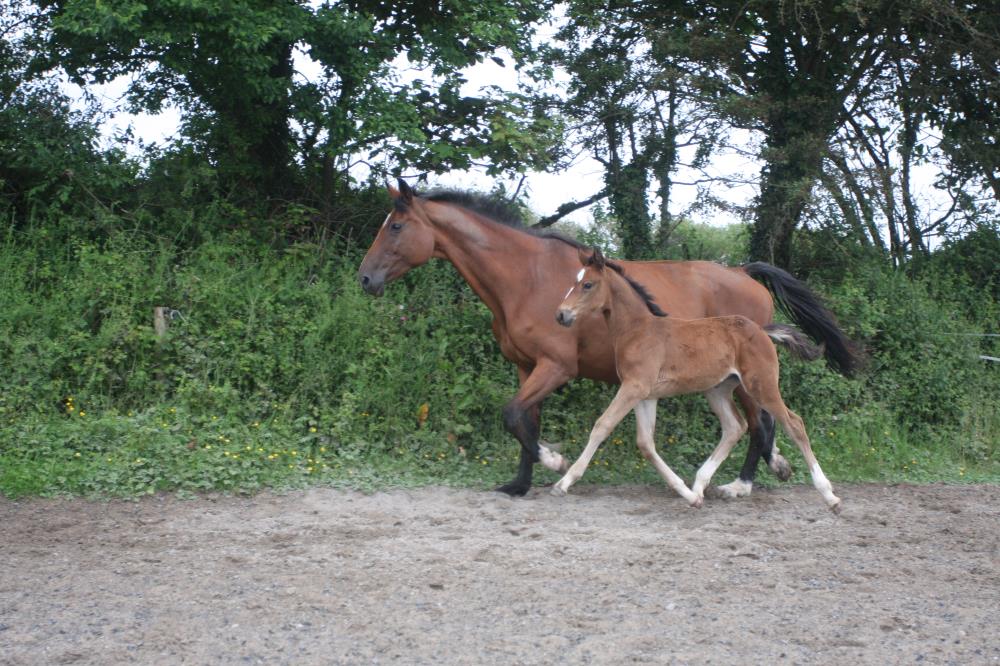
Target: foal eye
x=587, y=285
x=396, y=226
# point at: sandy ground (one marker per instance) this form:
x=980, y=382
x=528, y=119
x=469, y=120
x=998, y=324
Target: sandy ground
x=607, y=575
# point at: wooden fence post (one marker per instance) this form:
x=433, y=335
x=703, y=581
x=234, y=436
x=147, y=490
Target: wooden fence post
x=160, y=321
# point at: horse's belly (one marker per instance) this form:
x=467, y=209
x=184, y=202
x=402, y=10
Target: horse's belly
x=672, y=385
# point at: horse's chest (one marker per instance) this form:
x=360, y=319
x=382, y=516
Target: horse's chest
x=512, y=346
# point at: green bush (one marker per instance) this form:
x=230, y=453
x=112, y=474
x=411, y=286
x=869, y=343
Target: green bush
x=277, y=370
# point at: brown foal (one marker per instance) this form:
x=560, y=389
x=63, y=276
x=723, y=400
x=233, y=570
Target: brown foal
x=659, y=356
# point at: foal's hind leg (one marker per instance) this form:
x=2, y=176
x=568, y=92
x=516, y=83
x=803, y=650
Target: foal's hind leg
x=645, y=424
x=792, y=424
x=733, y=426
x=761, y=427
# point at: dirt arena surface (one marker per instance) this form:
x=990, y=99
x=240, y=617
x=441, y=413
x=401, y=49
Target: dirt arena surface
x=607, y=575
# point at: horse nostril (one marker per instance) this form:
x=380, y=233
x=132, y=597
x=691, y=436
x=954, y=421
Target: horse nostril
x=365, y=280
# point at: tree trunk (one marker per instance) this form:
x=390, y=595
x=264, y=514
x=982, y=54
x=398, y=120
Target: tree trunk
x=783, y=197
x=794, y=163
x=627, y=185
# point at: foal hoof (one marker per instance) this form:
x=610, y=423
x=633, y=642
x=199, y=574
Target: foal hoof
x=696, y=502
x=780, y=467
x=513, y=489
x=556, y=491
x=836, y=506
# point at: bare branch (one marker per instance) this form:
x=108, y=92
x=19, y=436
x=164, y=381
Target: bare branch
x=567, y=208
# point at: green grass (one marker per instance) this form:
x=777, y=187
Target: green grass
x=166, y=449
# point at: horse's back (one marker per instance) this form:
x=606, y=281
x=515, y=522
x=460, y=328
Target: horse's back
x=695, y=289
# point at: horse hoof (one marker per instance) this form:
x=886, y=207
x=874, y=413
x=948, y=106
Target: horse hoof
x=697, y=502
x=731, y=490
x=556, y=491
x=836, y=506
x=781, y=468
x=513, y=489
x=557, y=447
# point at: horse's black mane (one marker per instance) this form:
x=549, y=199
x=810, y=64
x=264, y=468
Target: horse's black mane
x=507, y=213
x=497, y=209
x=639, y=289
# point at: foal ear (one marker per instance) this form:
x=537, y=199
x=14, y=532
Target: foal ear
x=392, y=189
x=406, y=192
x=585, y=256
x=597, y=259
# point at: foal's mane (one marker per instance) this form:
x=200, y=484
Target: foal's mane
x=647, y=298
x=494, y=208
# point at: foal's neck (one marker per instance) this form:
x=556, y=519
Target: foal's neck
x=627, y=310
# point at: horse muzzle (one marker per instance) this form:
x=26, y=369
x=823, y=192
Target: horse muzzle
x=372, y=284
x=565, y=317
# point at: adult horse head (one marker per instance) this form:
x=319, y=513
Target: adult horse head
x=405, y=241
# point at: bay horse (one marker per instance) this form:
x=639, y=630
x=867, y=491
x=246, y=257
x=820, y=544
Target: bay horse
x=659, y=356
x=521, y=275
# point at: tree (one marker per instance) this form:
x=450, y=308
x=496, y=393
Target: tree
x=633, y=110
x=912, y=116
x=49, y=153
x=786, y=69
x=230, y=68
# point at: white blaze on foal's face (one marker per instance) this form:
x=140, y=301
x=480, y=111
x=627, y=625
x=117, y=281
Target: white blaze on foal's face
x=579, y=276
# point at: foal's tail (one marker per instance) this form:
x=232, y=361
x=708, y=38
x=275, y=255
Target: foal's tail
x=803, y=307
x=792, y=339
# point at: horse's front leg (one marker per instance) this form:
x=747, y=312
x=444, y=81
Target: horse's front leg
x=625, y=400
x=521, y=418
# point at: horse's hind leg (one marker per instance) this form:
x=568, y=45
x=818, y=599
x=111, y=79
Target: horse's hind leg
x=720, y=399
x=645, y=422
x=760, y=424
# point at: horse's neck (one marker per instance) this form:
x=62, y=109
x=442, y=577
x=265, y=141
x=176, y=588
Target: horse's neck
x=628, y=311
x=488, y=255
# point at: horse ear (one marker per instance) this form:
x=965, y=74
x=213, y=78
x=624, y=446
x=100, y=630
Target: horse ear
x=393, y=191
x=405, y=191
x=585, y=256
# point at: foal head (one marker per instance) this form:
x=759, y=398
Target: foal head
x=405, y=241
x=590, y=292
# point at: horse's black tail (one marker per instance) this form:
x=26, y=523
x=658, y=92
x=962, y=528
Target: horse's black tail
x=803, y=307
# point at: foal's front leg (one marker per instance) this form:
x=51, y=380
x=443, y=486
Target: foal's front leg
x=645, y=424
x=628, y=396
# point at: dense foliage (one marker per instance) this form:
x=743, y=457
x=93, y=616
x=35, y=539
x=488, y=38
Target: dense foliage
x=276, y=369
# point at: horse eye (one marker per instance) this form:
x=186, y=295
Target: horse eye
x=396, y=226
x=588, y=285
